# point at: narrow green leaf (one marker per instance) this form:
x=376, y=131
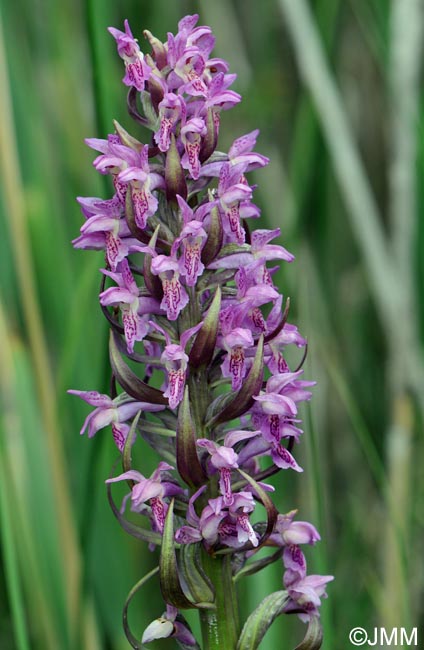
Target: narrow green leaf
x=149, y=111
x=149, y=427
x=214, y=241
x=188, y=463
x=174, y=173
x=152, y=282
x=313, y=637
x=210, y=140
x=126, y=138
x=170, y=584
x=158, y=52
x=233, y=249
x=131, y=638
x=203, y=347
x=253, y=567
x=261, y=619
x=126, y=454
x=11, y=564
x=129, y=380
x=193, y=574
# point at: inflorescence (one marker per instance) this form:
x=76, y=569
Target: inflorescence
x=190, y=299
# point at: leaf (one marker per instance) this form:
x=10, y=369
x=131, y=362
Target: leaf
x=152, y=282
x=129, y=380
x=131, y=638
x=253, y=567
x=158, y=52
x=313, y=637
x=261, y=619
x=126, y=138
x=193, y=574
x=233, y=249
x=210, y=140
x=156, y=93
x=214, y=241
x=243, y=399
x=170, y=584
x=126, y=453
x=188, y=463
x=203, y=347
x=149, y=111
x=174, y=173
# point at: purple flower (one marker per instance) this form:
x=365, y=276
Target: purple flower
x=239, y=152
x=137, y=70
x=175, y=297
x=191, y=136
x=175, y=360
x=223, y=459
x=288, y=532
x=105, y=229
x=114, y=158
x=142, y=182
x=236, y=530
x=219, y=97
x=152, y=490
x=235, y=341
x=136, y=310
x=260, y=446
x=171, y=109
x=111, y=411
x=191, y=241
x=231, y=191
x=220, y=523
x=283, y=392
x=305, y=591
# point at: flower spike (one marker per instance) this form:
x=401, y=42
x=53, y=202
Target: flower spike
x=199, y=348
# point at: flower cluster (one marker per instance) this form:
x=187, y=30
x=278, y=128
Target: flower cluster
x=190, y=297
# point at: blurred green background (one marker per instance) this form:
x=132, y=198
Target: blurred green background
x=335, y=87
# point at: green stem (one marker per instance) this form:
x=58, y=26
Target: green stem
x=220, y=627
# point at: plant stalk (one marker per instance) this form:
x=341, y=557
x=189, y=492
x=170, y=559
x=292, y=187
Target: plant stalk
x=220, y=626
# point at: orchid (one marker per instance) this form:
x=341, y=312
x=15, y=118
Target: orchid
x=191, y=303
x=152, y=490
x=137, y=70
x=135, y=309
x=115, y=412
x=105, y=229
